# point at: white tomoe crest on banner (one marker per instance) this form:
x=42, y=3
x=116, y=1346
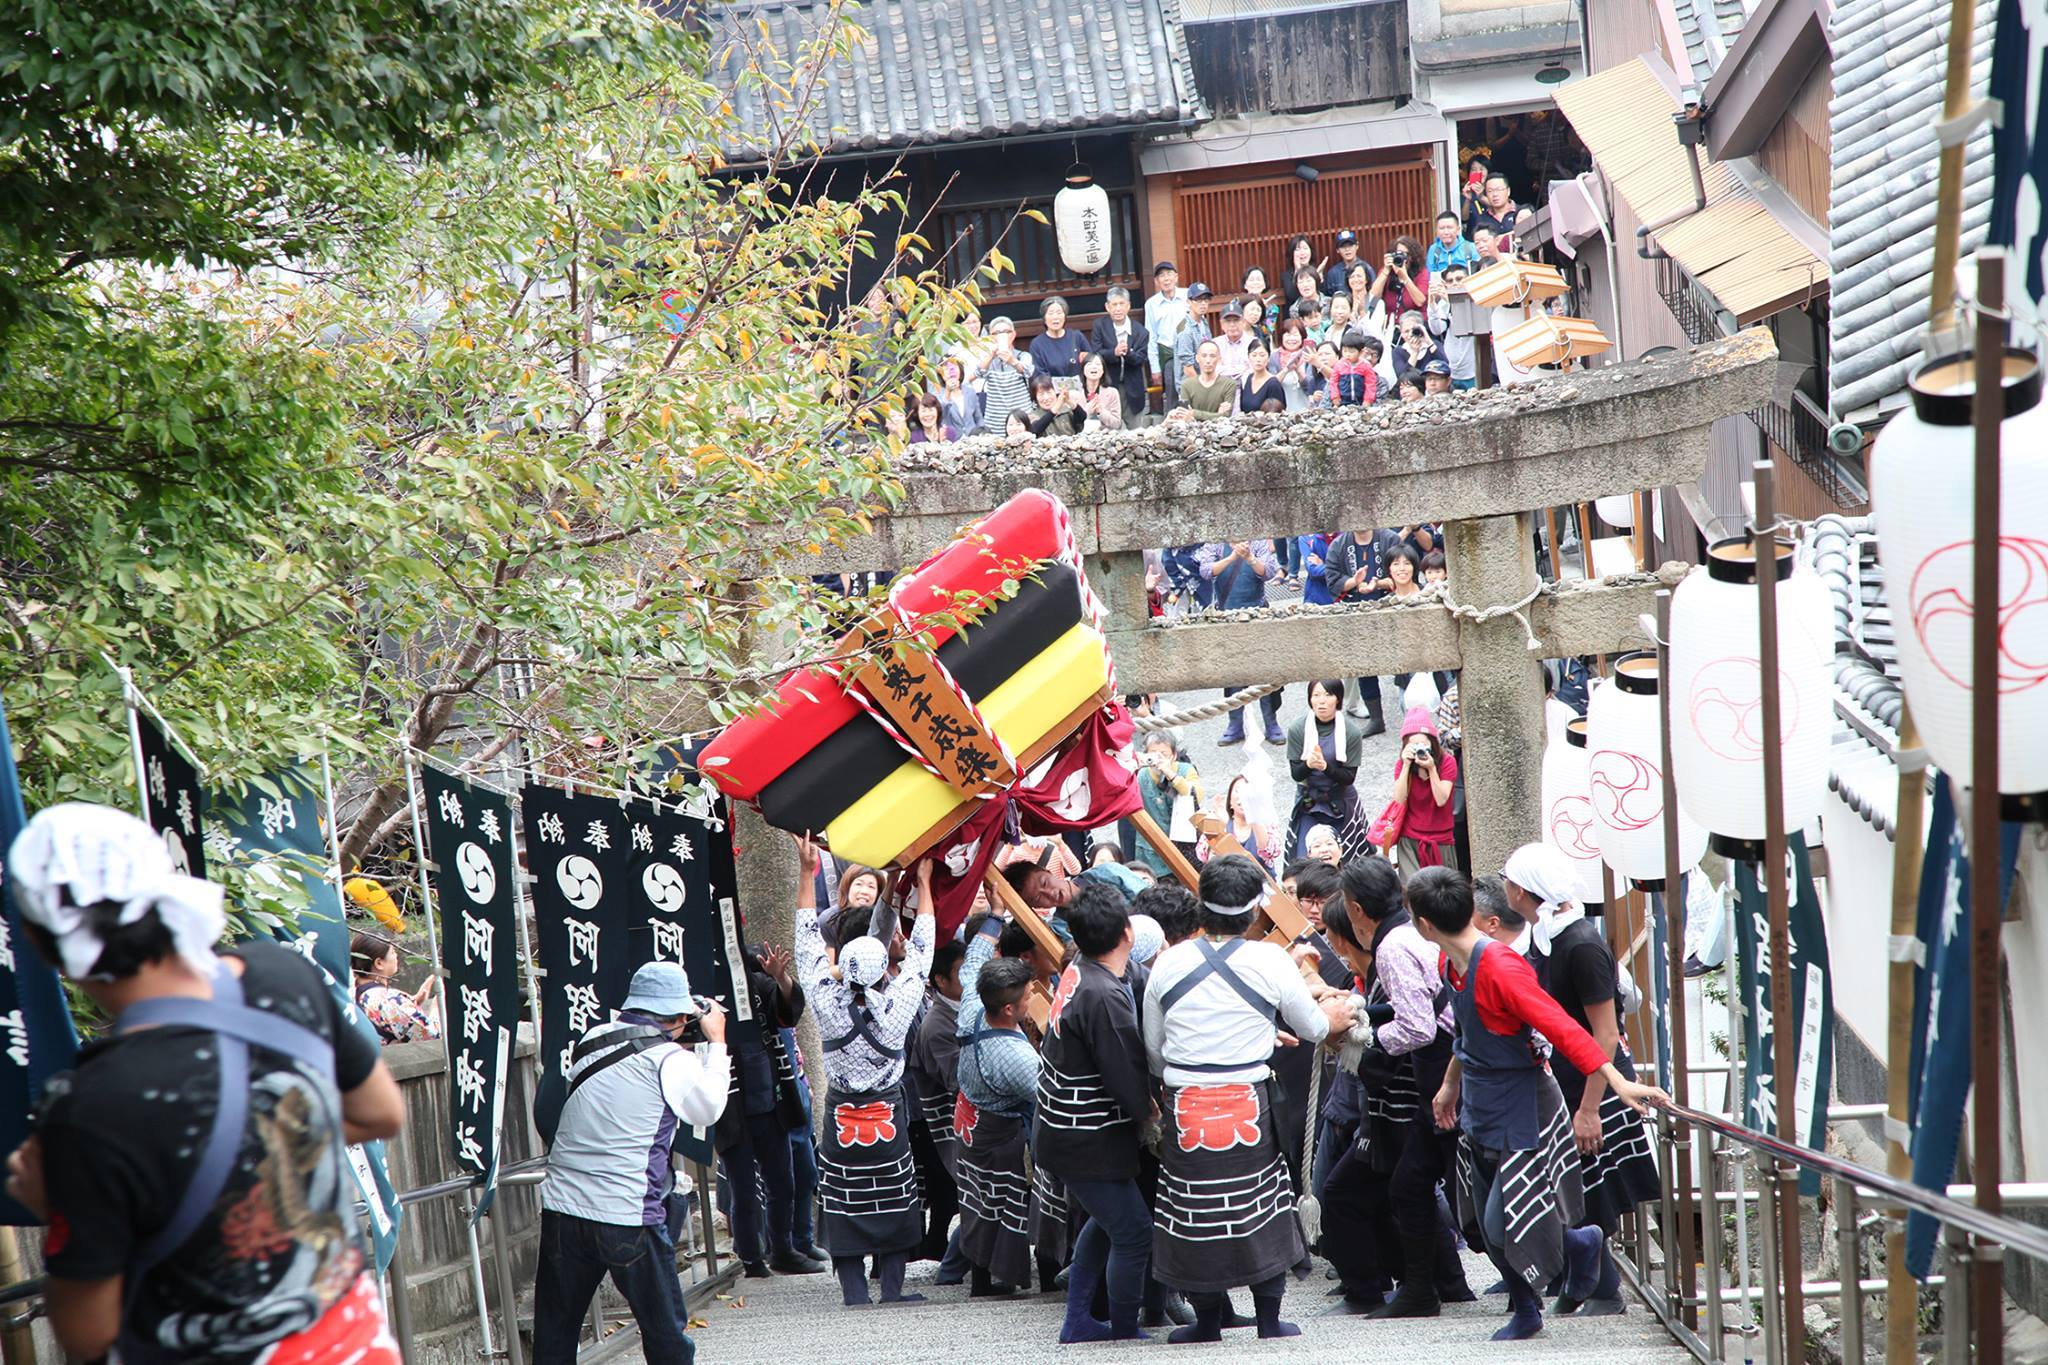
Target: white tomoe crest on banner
x=1717, y=714
x=1921, y=491
x=1081, y=220
x=1568, y=808
x=1625, y=775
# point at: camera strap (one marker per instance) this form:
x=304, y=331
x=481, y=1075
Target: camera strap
x=622, y=1043
x=235, y=1026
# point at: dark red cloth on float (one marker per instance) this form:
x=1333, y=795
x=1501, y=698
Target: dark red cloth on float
x=1089, y=782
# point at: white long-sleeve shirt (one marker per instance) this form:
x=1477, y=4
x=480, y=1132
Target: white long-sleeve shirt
x=1215, y=1029
x=857, y=1066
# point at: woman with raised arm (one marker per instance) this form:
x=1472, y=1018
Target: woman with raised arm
x=867, y=1182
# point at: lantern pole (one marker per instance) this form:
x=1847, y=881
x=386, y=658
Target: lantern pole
x=1987, y=410
x=1902, y=1291
x=1674, y=942
x=1784, y=1047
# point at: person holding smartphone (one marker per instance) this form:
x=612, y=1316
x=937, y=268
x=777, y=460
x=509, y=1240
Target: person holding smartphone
x=1424, y=778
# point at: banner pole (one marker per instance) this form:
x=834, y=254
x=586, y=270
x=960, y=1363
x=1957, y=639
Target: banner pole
x=1674, y=983
x=1784, y=1047
x=419, y=844
x=1902, y=1291
x=1987, y=1279
x=519, y=906
x=128, y=695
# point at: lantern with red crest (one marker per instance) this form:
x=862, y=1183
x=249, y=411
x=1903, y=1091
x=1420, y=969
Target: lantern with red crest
x=1922, y=492
x=1717, y=723
x=1568, y=807
x=1625, y=777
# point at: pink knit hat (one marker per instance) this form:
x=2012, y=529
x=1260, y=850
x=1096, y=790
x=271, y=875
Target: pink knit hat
x=1418, y=722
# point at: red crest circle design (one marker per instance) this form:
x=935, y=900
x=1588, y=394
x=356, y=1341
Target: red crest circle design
x=1627, y=789
x=1069, y=979
x=1941, y=610
x=1216, y=1117
x=1727, y=708
x=1571, y=827
x=965, y=1116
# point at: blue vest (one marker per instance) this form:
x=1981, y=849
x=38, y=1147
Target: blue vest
x=1503, y=1077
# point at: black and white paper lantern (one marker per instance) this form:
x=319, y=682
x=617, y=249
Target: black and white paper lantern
x=1921, y=491
x=1625, y=777
x=1080, y=215
x=1717, y=717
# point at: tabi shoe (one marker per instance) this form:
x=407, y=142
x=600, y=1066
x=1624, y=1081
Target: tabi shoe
x=789, y=1263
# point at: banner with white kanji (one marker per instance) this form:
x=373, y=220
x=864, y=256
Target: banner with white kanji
x=576, y=851
x=279, y=823
x=683, y=904
x=173, y=802
x=469, y=829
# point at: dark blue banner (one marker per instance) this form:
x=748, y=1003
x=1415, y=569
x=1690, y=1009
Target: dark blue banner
x=284, y=826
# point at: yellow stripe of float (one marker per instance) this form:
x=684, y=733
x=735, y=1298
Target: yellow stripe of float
x=909, y=801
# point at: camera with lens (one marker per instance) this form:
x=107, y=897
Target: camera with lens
x=693, y=1026
x=1401, y=258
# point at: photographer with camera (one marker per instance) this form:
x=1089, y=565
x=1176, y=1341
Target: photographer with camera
x=632, y=1079
x=191, y=1169
x=1402, y=283
x=1424, y=782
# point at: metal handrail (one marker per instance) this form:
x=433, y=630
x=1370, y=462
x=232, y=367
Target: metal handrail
x=1990, y=1227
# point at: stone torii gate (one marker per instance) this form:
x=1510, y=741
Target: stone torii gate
x=1478, y=462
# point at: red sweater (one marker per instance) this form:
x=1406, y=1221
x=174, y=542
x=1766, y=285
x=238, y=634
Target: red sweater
x=1509, y=996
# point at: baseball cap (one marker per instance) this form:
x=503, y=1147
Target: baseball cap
x=1347, y=238
x=661, y=989
x=1198, y=290
x=1163, y=267
x=1437, y=366
x=1233, y=309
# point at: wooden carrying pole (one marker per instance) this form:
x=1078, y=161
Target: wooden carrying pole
x=1784, y=1041
x=1987, y=1278
x=1141, y=819
x=1036, y=1001
x=1902, y=1291
x=1948, y=212
x=1672, y=904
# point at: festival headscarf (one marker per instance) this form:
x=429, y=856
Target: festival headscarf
x=1545, y=873
x=1147, y=938
x=864, y=961
x=76, y=855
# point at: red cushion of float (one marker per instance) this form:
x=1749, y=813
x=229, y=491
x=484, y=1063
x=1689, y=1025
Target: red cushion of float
x=810, y=705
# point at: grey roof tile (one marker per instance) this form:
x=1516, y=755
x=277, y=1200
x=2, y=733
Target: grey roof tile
x=932, y=71
x=1890, y=57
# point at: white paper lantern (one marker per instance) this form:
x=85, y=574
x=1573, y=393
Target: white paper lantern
x=1080, y=215
x=1625, y=777
x=1617, y=510
x=1921, y=490
x=1717, y=716
x=1568, y=809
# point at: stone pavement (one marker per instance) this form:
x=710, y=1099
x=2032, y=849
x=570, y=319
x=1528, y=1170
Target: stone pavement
x=800, y=1321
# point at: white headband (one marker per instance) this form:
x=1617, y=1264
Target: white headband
x=75, y=854
x=1258, y=902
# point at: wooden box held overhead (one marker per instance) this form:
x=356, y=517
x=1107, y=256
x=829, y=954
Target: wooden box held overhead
x=1513, y=281
x=1548, y=340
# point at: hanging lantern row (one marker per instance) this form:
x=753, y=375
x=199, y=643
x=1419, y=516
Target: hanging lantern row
x=1717, y=720
x=1625, y=777
x=1568, y=808
x=1080, y=215
x=1922, y=490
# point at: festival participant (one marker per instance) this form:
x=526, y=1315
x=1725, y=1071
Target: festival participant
x=1323, y=749
x=998, y=1083
x=1173, y=907
x=1576, y=967
x=1226, y=1204
x=1495, y=917
x=1388, y=1182
x=1094, y=1092
x=1509, y=1109
x=935, y=1065
x=756, y=1136
x=867, y=1182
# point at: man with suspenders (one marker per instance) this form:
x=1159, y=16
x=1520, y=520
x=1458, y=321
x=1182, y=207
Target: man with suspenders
x=1213, y=1008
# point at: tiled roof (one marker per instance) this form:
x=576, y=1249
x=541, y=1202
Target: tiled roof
x=1707, y=35
x=1861, y=772
x=1890, y=57
x=950, y=71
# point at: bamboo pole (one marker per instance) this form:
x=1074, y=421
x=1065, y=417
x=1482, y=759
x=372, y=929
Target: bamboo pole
x=1784, y=1040
x=1902, y=1291
x=1987, y=1279
x=1948, y=213
x=1672, y=902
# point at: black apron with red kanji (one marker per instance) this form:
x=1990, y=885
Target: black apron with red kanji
x=867, y=1181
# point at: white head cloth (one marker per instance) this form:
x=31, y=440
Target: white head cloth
x=1545, y=873
x=864, y=961
x=76, y=855
x=1147, y=938
x=1258, y=902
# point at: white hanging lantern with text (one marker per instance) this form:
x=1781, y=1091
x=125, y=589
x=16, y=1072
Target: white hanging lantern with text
x=1922, y=491
x=1080, y=215
x=1625, y=777
x=1568, y=809
x=1717, y=718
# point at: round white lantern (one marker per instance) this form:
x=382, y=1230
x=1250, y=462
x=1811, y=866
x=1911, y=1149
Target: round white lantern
x=1568, y=809
x=1717, y=715
x=1080, y=215
x=1625, y=777
x=1617, y=510
x=1921, y=490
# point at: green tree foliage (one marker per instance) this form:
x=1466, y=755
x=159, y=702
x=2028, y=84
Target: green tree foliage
x=512, y=467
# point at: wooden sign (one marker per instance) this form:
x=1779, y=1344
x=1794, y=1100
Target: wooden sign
x=912, y=690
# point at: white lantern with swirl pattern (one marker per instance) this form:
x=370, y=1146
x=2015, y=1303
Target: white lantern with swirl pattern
x=1717, y=734
x=1568, y=808
x=1625, y=777
x=1922, y=492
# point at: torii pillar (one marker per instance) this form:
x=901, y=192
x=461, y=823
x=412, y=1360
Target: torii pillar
x=1479, y=462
